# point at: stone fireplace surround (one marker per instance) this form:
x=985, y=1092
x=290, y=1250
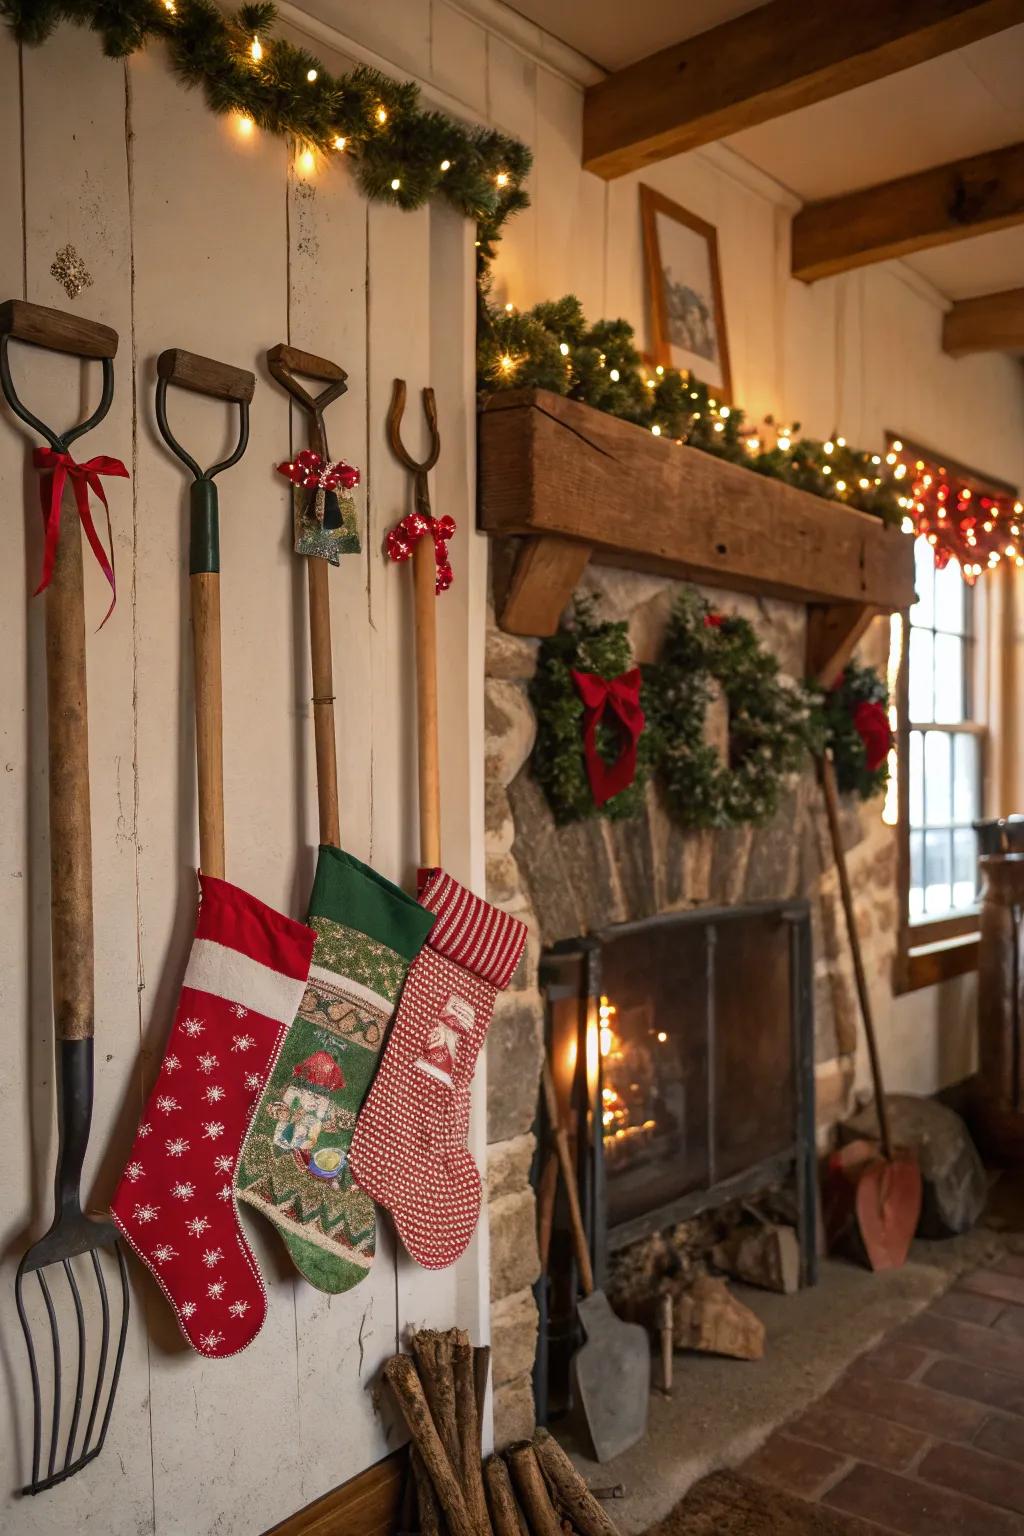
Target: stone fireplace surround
x=567, y=881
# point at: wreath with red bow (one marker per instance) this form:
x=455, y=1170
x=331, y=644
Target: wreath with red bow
x=855, y=715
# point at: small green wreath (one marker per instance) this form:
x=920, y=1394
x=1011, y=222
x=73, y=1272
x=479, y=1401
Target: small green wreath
x=772, y=725
x=855, y=716
x=559, y=763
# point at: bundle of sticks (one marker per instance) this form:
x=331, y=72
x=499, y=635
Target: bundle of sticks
x=533, y=1489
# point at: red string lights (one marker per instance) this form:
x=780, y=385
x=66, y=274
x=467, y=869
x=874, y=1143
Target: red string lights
x=963, y=522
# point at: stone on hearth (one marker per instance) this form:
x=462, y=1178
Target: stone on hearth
x=511, y=728
x=508, y=1166
x=773, y=868
x=729, y=857
x=515, y=1262
x=955, y=1186
x=512, y=657
x=513, y=1411
x=514, y=1054
x=513, y=1336
x=499, y=828
x=833, y=1081
x=504, y=882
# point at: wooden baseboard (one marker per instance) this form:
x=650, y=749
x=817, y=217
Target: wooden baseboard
x=369, y=1504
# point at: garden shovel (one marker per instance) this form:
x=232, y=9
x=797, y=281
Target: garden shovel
x=612, y=1370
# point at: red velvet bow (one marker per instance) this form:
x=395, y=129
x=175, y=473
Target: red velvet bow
x=411, y=529
x=55, y=468
x=621, y=695
x=312, y=472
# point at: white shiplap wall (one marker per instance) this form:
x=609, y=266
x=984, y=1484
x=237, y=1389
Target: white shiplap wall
x=198, y=239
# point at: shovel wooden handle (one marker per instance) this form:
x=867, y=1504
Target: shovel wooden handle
x=827, y=774
x=424, y=572
x=579, y=1237
x=71, y=917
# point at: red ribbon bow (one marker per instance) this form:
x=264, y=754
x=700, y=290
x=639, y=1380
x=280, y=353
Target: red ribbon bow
x=620, y=695
x=312, y=472
x=55, y=469
x=416, y=526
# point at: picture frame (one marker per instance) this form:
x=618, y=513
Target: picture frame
x=684, y=286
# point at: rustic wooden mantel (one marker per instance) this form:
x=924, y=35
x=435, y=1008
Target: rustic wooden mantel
x=576, y=484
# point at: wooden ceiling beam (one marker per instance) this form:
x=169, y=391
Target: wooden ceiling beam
x=784, y=55
x=992, y=323
x=936, y=207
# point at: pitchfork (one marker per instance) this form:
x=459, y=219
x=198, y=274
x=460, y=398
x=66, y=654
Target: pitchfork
x=72, y=1233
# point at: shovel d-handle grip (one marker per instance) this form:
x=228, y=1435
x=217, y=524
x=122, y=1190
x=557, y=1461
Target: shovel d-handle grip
x=565, y=1162
x=57, y=330
x=205, y=376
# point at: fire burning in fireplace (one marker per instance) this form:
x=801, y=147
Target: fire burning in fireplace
x=628, y=1071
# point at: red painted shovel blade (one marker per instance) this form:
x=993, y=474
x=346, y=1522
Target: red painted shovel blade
x=888, y=1209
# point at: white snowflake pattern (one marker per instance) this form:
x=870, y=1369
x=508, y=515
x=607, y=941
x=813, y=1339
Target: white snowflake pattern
x=207, y=1061
x=213, y=1094
x=163, y=1252
x=167, y=1102
x=212, y=1129
x=144, y=1213
x=215, y=1289
x=224, y=1193
x=210, y=1340
x=239, y=1012
x=144, y=1129
x=223, y=1163
x=176, y=1146
x=238, y=1308
x=183, y=1190
x=171, y=1064
x=253, y=1081
x=242, y=1042
x=187, y=1309
x=134, y=1171
x=198, y=1225
x=212, y=1257
x=193, y=1027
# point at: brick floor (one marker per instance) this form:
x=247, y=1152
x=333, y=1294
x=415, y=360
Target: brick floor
x=924, y=1435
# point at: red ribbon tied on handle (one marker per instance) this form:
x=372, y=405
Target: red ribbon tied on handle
x=416, y=526
x=55, y=469
x=621, y=696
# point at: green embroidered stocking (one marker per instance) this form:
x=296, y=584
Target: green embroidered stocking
x=293, y=1166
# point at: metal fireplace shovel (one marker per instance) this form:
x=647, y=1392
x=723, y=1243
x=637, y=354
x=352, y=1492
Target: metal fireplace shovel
x=882, y=1194
x=73, y=1233
x=612, y=1370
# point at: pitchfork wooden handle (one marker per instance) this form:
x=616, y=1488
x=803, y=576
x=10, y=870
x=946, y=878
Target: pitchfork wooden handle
x=579, y=1236
x=424, y=574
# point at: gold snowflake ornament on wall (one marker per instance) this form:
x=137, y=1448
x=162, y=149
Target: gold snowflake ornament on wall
x=71, y=271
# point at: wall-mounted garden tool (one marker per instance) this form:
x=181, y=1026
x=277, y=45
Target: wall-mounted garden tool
x=65, y=486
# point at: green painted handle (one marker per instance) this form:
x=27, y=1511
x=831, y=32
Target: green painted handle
x=204, y=542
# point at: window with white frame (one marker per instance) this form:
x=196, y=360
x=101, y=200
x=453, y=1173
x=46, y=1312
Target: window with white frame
x=945, y=746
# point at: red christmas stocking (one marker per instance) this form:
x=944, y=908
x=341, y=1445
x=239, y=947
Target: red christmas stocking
x=409, y=1148
x=245, y=978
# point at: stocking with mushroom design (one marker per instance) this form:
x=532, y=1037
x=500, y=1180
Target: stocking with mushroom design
x=174, y=1202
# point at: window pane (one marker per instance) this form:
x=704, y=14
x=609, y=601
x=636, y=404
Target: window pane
x=924, y=608
x=938, y=886
x=964, y=867
x=966, y=778
x=949, y=598
x=949, y=679
x=916, y=875
x=921, y=661
x=916, y=779
x=938, y=788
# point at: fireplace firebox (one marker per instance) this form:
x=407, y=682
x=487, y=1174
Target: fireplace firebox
x=682, y=1049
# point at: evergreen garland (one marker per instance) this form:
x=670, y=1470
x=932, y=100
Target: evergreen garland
x=772, y=726
x=396, y=149
x=552, y=346
x=854, y=722
x=586, y=644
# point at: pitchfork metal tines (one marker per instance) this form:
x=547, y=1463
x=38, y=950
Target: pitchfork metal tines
x=69, y=1302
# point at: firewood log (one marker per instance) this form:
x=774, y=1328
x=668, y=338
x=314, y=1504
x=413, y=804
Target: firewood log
x=467, y=1422
x=432, y=1352
x=532, y=1490
x=506, y=1516
x=572, y=1497
x=402, y=1377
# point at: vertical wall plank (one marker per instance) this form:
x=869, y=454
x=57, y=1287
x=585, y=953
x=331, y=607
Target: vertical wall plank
x=458, y=56
x=512, y=107
x=570, y=202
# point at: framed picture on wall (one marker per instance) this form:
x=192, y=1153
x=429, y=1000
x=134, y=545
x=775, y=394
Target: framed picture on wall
x=684, y=282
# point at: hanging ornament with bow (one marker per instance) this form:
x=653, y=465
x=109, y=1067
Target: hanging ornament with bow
x=325, y=514
x=419, y=525
x=619, y=699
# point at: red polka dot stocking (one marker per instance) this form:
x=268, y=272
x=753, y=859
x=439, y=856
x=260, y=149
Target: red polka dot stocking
x=409, y=1148
x=174, y=1203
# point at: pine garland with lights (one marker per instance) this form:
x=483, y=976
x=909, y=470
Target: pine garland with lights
x=772, y=725
x=854, y=716
x=585, y=644
x=552, y=346
x=399, y=153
